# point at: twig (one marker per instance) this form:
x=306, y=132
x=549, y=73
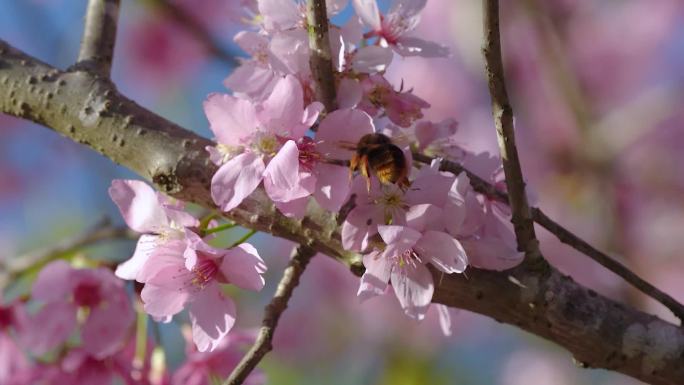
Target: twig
x=567, y=237
x=101, y=231
x=564, y=235
x=196, y=29
x=272, y=312
x=320, y=60
x=99, y=36
x=503, y=119
x=611, y=335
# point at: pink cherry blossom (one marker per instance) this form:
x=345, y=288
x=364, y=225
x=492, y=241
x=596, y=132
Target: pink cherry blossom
x=403, y=261
x=388, y=204
x=258, y=141
x=146, y=211
x=402, y=108
x=393, y=28
x=192, y=277
x=489, y=241
x=63, y=290
x=13, y=324
x=200, y=368
x=78, y=366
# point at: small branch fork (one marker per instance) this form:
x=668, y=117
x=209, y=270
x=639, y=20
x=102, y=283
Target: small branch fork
x=99, y=36
x=503, y=119
x=272, y=313
x=523, y=216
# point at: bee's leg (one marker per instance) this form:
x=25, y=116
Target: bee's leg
x=403, y=181
x=353, y=166
x=365, y=172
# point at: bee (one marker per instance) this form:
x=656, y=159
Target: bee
x=376, y=154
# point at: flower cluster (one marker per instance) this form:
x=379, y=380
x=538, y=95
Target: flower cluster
x=409, y=221
x=178, y=267
x=272, y=130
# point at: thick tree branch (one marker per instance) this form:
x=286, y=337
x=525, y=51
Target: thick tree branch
x=598, y=331
x=272, y=313
x=320, y=60
x=99, y=36
x=503, y=119
x=564, y=235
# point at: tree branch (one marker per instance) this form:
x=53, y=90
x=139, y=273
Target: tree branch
x=101, y=231
x=86, y=108
x=503, y=119
x=564, y=235
x=272, y=313
x=99, y=36
x=320, y=60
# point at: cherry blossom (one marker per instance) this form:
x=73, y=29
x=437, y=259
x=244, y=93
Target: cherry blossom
x=159, y=218
x=192, y=277
x=259, y=141
x=394, y=27
x=403, y=261
x=63, y=290
x=201, y=368
x=13, y=325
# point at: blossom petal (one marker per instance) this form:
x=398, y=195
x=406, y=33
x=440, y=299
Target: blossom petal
x=332, y=186
x=53, y=282
x=106, y=327
x=360, y=224
x=407, y=8
x=368, y=12
x=230, y=119
x=443, y=251
x=349, y=93
x=413, y=287
x=164, y=299
x=279, y=14
x=444, y=313
x=130, y=268
x=243, y=266
x=295, y=208
x=333, y=7
x=401, y=236
x=343, y=127
x=283, y=180
x=374, y=280
x=282, y=111
x=425, y=217
x=166, y=255
x=251, y=80
x=212, y=316
x=430, y=187
x=235, y=180
x=139, y=206
x=492, y=253
x=51, y=326
x=372, y=58
x=413, y=46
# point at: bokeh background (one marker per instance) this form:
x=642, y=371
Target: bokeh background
x=598, y=92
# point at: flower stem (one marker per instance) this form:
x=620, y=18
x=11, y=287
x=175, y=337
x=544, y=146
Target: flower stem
x=244, y=238
x=219, y=228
